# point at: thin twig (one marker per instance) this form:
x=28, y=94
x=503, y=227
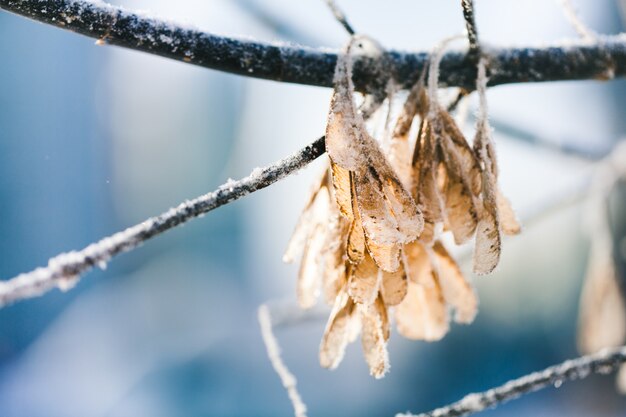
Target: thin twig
x=273, y=352
x=340, y=16
x=288, y=63
x=579, y=26
x=64, y=270
x=599, y=363
x=472, y=32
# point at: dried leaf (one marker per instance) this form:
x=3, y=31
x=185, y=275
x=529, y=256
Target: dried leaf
x=373, y=340
x=422, y=315
x=457, y=291
x=394, y=286
x=339, y=330
x=387, y=257
x=364, y=282
x=508, y=220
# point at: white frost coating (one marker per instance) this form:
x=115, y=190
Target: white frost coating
x=600, y=363
x=433, y=70
x=273, y=352
x=579, y=26
x=67, y=267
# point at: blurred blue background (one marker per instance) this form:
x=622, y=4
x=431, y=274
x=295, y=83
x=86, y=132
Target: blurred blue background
x=95, y=139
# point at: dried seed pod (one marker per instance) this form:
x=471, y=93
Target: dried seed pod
x=602, y=317
x=457, y=291
x=387, y=257
x=427, y=195
x=374, y=334
x=394, y=286
x=422, y=315
x=364, y=282
x=461, y=214
x=339, y=331
x=509, y=224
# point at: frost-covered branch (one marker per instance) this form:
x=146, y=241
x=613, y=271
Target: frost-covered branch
x=600, y=363
x=289, y=63
x=64, y=270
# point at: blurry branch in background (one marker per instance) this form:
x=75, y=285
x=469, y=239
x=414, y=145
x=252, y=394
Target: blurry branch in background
x=287, y=63
x=566, y=146
x=275, y=23
x=64, y=270
x=340, y=16
x=579, y=26
x=600, y=363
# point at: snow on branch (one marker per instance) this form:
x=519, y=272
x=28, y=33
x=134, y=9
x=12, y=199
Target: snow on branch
x=603, y=362
x=64, y=270
x=290, y=63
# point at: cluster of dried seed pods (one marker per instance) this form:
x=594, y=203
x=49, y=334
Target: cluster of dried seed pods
x=370, y=231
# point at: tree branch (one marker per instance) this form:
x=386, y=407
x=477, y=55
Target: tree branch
x=289, y=63
x=600, y=363
x=64, y=270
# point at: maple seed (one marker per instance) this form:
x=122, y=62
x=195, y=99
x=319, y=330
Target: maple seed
x=370, y=234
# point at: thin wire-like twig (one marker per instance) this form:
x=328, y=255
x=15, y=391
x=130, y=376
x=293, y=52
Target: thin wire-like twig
x=579, y=26
x=599, y=363
x=472, y=31
x=340, y=16
x=273, y=352
x=288, y=63
x=64, y=270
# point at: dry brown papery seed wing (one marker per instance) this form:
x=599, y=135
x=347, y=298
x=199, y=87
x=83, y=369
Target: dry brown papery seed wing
x=356, y=234
x=508, y=220
x=309, y=217
x=461, y=212
x=338, y=331
x=379, y=225
x=602, y=321
x=373, y=340
x=400, y=204
x=427, y=194
x=488, y=239
x=386, y=256
x=422, y=315
x=457, y=291
x=364, y=282
x=417, y=263
x=335, y=272
x=469, y=164
x=342, y=189
x=394, y=286
x=311, y=268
